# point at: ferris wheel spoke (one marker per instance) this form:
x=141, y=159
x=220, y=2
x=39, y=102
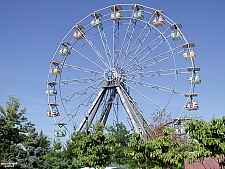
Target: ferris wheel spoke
x=155, y=59
x=155, y=45
x=87, y=58
x=161, y=35
x=116, y=41
x=138, y=39
x=126, y=43
x=86, y=102
x=83, y=69
x=135, y=48
x=147, y=25
x=142, y=41
x=81, y=105
x=167, y=72
x=80, y=92
x=153, y=86
x=96, y=51
x=147, y=98
x=80, y=81
x=105, y=44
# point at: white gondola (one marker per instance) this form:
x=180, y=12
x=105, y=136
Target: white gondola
x=53, y=113
x=180, y=131
x=116, y=15
x=158, y=21
x=55, y=71
x=78, y=35
x=60, y=133
x=189, y=54
x=64, y=51
x=192, y=105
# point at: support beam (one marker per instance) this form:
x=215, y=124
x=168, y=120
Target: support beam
x=93, y=107
x=143, y=124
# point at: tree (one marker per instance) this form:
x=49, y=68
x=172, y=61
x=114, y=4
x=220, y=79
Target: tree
x=121, y=136
x=59, y=157
x=207, y=139
x=158, y=153
x=94, y=149
x=160, y=121
x=13, y=126
x=30, y=151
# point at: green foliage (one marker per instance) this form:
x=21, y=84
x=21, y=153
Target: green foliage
x=121, y=136
x=94, y=150
x=158, y=153
x=208, y=138
x=13, y=126
x=30, y=152
x=59, y=157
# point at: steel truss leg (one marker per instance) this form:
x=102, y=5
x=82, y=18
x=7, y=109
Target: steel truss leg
x=105, y=113
x=137, y=118
x=93, y=110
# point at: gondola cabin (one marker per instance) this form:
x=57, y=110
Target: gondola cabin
x=138, y=15
x=59, y=133
x=54, y=113
x=176, y=35
x=78, y=35
x=55, y=71
x=96, y=23
x=189, y=54
x=51, y=92
x=158, y=21
x=116, y=15
x=64, y=51
x=194, y=80
x=180, y=131
x=192, y=105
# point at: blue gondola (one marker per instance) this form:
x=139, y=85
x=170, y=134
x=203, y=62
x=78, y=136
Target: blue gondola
x=64, y=51
x=96, y=23
x=51, y=92
x=194, y=79
x=176, y=35
x=138, y=15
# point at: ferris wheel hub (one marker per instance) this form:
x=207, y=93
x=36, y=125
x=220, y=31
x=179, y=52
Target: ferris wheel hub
x=110, y=74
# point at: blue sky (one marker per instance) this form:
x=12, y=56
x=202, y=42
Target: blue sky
x=31, y=31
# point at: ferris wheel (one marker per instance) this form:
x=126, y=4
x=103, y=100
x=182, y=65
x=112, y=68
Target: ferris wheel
x=120, y=64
